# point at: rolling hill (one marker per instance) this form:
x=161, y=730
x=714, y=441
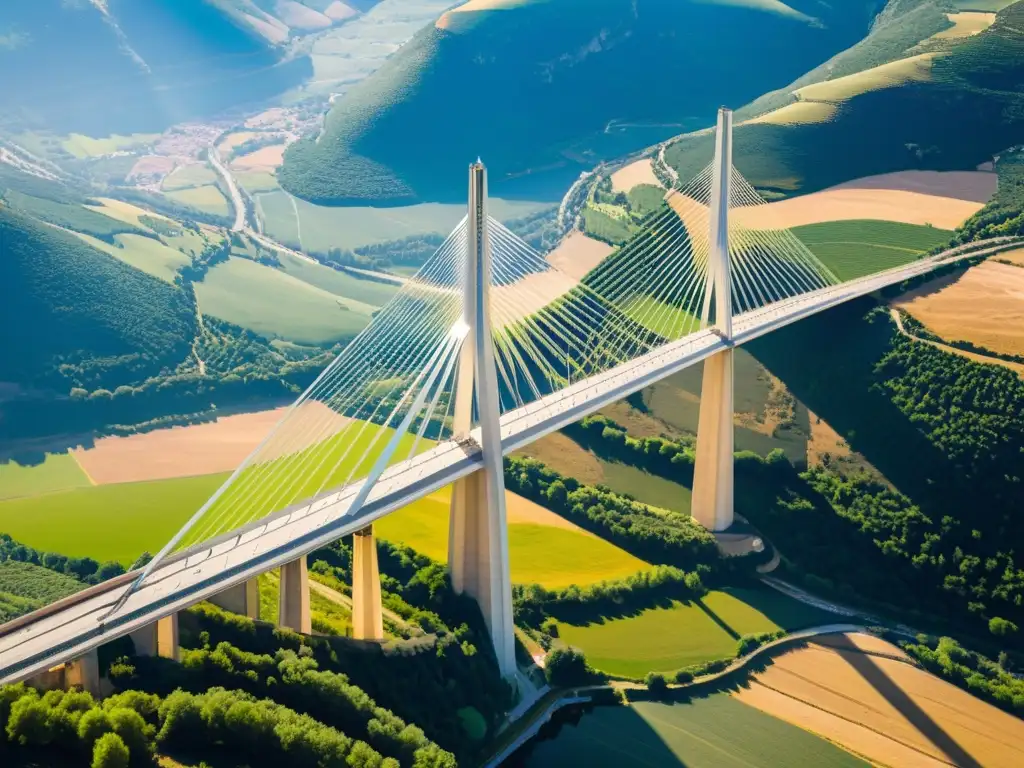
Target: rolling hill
x=928, y=89
x=125, y=66
x=66, y=303
x=542, y=90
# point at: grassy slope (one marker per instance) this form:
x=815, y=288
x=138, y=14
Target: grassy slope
x=968, y=109
x=565, y=92
x=64, y=298
x=713, y=732
x=276, y=304
x=676, y=635
x=145, y=254
x=57, y=472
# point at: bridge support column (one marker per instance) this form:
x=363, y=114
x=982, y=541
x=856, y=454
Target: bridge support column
x=712, y=504
x=478, y=533
x=367, y=613
x=158, y=639
x=243, y=599
x=84, y=673
x=293, y=608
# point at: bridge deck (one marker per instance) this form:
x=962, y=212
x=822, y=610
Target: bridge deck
x=69, y=628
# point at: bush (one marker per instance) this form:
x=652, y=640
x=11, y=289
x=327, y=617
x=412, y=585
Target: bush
x=110, y=752
x=567, y=667
x=656, y=684
x=1001, y=627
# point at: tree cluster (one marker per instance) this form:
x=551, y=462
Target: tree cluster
x=83, y=569
x=660, y=536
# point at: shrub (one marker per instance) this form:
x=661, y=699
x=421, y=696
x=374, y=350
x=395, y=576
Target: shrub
x=1001, y=627
x=656, y=684
x=110, y=752
x=566, y=667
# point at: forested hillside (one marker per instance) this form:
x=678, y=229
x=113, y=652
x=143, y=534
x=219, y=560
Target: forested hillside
x=68, y=304
x=543, y=90
x=123, y=66
x=901, y=100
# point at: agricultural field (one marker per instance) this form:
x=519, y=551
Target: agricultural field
x=107, y=522
x=713, y=732
x=676, y=635
x=320, y=228
x=277, y=305
x=635, y=174
x=645, y=198
x=147, y=254
x=57, y=472
x=566, y=457
x=85, y=146
x=189, y=176
x=367, y=292
x=603, y=227
x=949, y=307
x=577, y=254
x=857, y=248
x=552, y=555
x=663, y=319
x=208, y=199
x=255, y=182
x=849, y=690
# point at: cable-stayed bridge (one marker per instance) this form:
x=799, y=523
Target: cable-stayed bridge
x=488, y=348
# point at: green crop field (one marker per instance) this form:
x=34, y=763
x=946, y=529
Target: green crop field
x=714, y=732
x=370, y=293
x=151, y=256
x=603, y=227
x=665, y=639
x=85, y=146
x=323, y=228
x=661, y=318
x=538, y=554
x=861, y=247
x=257, y=181
x=645, y=487
x=278, y=305
x=645, y=198
x=208, y=199
x=107, y=522
x=58, y=472
x=189, y=176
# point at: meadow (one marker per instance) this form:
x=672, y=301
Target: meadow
x=713, y=732
x=318, y=229
x=553, y=557
x=278, y=305
x=857, y=248
x=147, y=254
x=369, y=293
x=207, y=198
x=86, y=146
x=188, y=177
x=676, y=635
x=57, y=472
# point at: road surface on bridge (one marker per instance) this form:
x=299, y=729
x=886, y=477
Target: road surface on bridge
x=71, y=627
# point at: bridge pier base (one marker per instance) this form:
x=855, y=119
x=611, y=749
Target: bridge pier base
x=293, y=606
x=367, y=612
x=84, y=673
x=712, y=504
x=158, y=639
x=478, y=562
x=243, y=599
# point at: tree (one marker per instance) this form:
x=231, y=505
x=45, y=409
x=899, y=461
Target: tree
x=1001, y=627
x=656, y=684
x=110, y=752
x=566, y=667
